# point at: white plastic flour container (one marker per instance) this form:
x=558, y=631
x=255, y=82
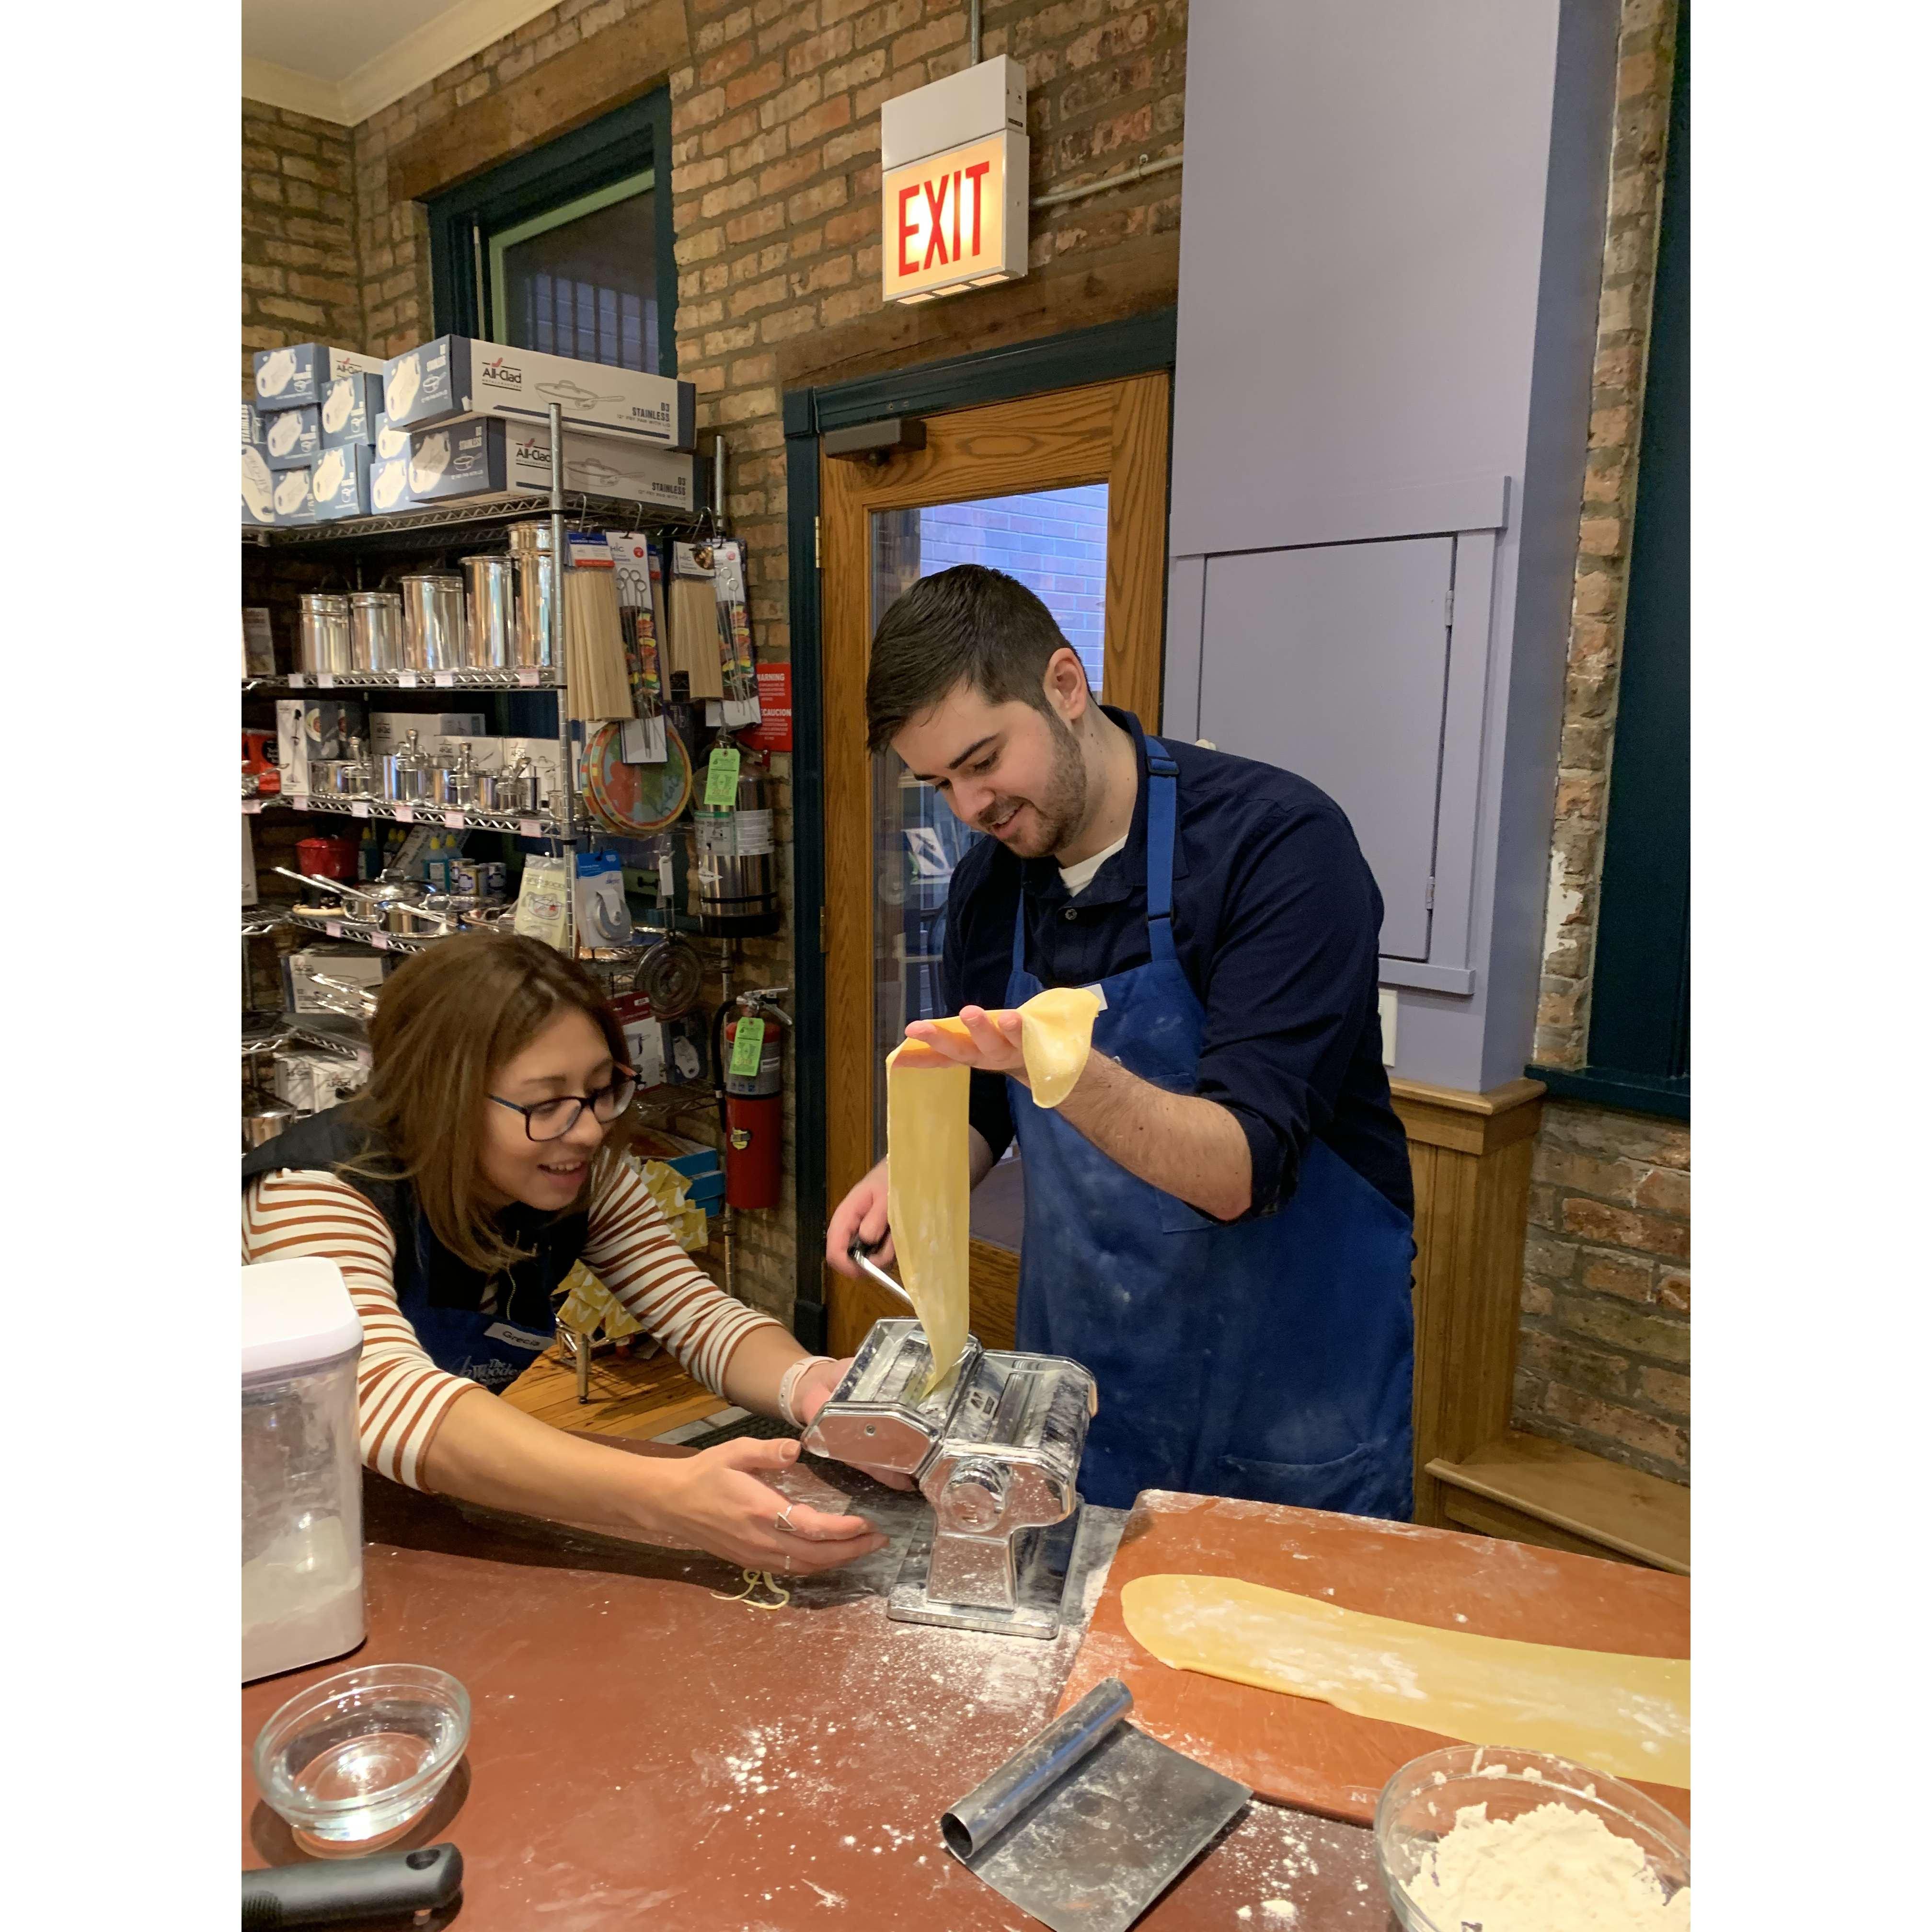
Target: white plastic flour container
x=301, y=1472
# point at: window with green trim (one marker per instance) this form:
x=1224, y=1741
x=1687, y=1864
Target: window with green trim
x=567, y=249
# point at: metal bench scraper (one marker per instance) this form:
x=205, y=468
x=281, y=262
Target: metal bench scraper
x=1088, y=1823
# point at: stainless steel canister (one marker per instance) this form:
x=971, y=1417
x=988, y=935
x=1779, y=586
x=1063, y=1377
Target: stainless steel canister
x=536, y=588
x=375, y=630
x=490, y=585
x=324, y=633
x=433, y=626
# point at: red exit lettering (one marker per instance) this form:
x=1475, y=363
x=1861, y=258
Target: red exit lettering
x=942, y=208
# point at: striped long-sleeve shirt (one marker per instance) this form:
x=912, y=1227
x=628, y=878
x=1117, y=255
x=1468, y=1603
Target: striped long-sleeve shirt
x=403, y=1396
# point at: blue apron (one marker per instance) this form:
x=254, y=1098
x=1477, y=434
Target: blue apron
x=1269, y=1358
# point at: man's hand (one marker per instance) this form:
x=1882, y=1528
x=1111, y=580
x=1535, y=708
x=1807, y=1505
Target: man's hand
x=994, y=1045
x=862, y=1213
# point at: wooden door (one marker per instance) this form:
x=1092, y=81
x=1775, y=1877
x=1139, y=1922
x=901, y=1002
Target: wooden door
x=1080, y=476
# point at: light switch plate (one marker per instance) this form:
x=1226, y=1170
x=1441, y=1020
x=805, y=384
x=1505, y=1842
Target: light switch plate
x=1386, y=997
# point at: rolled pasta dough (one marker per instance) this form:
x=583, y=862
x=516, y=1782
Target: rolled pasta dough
x=928, y=1184
x=1630, y=1716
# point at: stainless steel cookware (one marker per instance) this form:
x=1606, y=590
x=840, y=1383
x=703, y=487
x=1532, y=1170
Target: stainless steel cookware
x=536, y=588
x=408, y=776
x=433, y=631
x=525, y=784
x=430, y=918
x=489, y=585
x=324, y=635
x=376, y=630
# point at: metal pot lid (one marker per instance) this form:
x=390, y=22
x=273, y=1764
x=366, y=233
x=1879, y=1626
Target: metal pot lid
x=671, y=977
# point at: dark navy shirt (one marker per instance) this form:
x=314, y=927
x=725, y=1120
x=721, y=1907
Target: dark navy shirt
x=1276, y=921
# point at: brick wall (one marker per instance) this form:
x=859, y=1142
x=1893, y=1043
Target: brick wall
x=1605, y=1338
x=301, y=276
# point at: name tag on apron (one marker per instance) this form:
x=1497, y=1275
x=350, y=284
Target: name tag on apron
x=518, y=1338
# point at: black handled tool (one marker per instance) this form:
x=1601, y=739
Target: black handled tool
x=336, y=1892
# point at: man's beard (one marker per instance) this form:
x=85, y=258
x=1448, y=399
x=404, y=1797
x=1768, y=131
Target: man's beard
x=1060, y=809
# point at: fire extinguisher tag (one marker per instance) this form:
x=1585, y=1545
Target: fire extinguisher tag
x=741, y=1139
x=721, y=778
x=747, y=1046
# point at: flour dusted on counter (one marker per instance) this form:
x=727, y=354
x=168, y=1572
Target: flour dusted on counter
x=1555, y=1866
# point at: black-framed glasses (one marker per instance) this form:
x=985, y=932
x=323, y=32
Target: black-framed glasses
x=551, y=1119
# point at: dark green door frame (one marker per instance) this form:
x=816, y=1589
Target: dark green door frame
x=1140, y=346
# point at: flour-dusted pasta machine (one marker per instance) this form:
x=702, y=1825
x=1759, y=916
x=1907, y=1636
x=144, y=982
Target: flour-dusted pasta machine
x=995, y=1449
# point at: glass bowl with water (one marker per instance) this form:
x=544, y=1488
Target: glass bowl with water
x=354, y=1761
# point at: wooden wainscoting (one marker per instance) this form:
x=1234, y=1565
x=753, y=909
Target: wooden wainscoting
x=1471, y=1155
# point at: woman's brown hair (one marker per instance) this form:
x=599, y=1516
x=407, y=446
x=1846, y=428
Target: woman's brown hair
x=446, y=1022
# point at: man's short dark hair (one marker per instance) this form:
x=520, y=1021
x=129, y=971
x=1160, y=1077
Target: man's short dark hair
x=966, y=625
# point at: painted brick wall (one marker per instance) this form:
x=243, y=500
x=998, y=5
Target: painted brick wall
x=301, y=277
x=1606, y=1336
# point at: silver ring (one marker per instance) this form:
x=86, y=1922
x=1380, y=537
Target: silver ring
x=783, y=1523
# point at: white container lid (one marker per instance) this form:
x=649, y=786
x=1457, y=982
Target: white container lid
x=295, y=1315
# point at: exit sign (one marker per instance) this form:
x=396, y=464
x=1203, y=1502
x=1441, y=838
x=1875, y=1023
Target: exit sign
x=953, y=183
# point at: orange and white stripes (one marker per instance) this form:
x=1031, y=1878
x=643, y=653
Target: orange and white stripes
x=403, y=1395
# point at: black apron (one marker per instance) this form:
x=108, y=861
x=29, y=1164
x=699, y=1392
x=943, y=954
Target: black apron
x=489, y=1332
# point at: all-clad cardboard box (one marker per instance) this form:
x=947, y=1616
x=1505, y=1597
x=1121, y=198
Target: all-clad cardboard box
x=258, y=488
x=338, y=482
x=293, y=504
x=389, y=483
x=487, y=456
x=351, y=407
x=286, y=377
x=453, y=375
x=292, y=438
x=251, y=425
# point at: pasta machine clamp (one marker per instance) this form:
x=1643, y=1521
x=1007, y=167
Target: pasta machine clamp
x=995, y=1449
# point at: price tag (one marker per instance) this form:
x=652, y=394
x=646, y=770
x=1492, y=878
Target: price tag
x=333, y=928
x=721, y=777
x=406, y=680
x=379, y=940
x=360, y=809
x=529, y=828
x=405, y=814
x=444, y=679
x=251, y=805
x=454, y=820
x=325, y=680
x=296, y=680
x=528, y=675
x=747, y=1046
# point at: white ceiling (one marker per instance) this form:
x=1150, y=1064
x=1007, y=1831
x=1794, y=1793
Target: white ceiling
x=342, y=60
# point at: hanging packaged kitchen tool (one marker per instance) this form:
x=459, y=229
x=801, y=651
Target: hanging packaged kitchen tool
x=324, y=633
x=733, y=877
x=536, y=583
x=600, y=687
x=693, y=642
x=406, y=774
x=543, y=903
x=737, y=670
x=603, y=915
x=489, y=589
x=635, y=800
x=375, y=630
x=433, y=631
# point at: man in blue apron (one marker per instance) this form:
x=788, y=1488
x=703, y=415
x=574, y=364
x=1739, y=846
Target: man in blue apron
x=1219, y=1217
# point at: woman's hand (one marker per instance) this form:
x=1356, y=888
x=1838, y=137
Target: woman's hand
x=862, y=1213
x=814, y=1390
x=715, y=1501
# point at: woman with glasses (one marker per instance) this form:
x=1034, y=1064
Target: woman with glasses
x=483, y=1161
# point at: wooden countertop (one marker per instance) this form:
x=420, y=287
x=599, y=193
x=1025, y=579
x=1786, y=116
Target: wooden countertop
x=641, y=1752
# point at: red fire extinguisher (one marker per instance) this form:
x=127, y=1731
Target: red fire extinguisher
x=750, y=1081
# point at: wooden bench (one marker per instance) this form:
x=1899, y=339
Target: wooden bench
x=1530, y=1489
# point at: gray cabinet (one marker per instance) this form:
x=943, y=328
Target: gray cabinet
x=1333, y=662
x=1391, y=237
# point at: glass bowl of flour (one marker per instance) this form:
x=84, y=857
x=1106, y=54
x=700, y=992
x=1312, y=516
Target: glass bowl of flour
x=1520, y=1841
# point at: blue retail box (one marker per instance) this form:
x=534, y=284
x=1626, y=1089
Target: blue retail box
x=292, y=438
x=258, y=488
x=351, y=406
x=292, y=504
x=286, y=378
x=338, y=483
